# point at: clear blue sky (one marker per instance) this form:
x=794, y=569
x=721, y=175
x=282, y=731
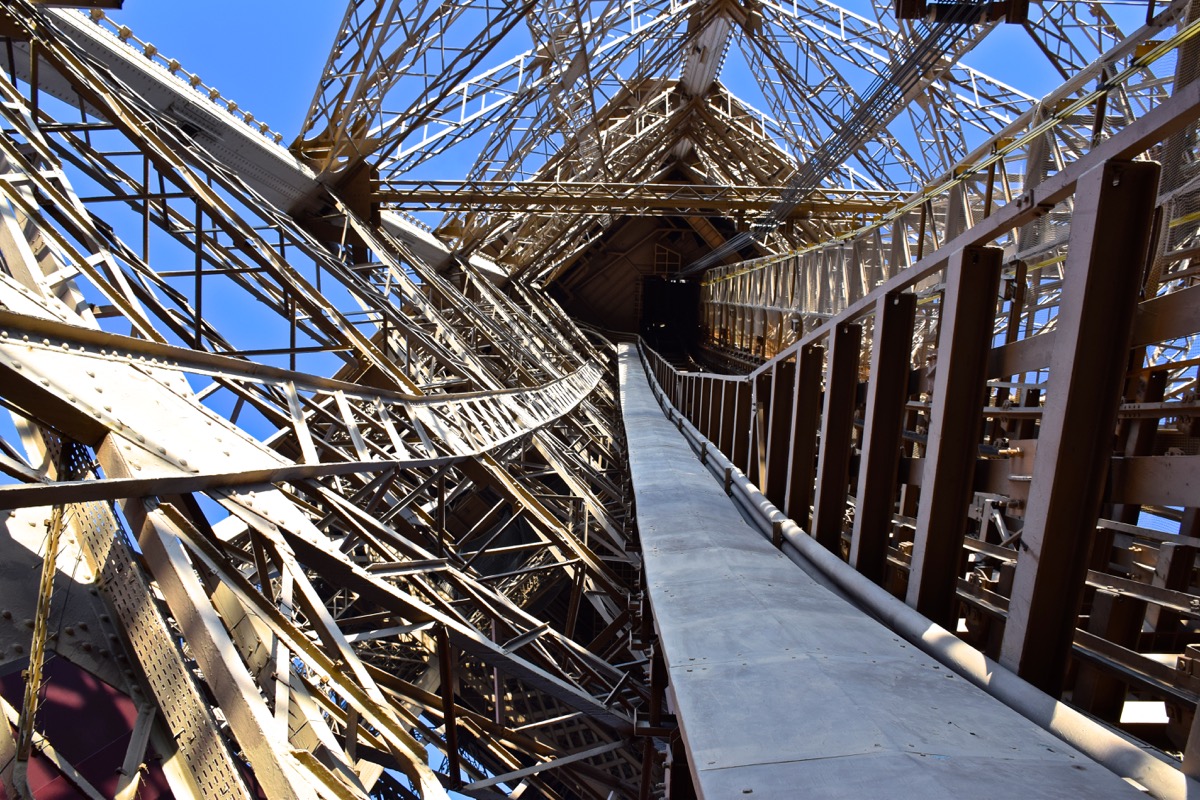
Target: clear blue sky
x=265, y=54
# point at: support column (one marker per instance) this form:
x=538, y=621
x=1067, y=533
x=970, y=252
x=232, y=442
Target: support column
x=1110, y=234
x=742, y=425
x=727, y=417
x=806, y=406
x=837, y=428
x=779, y=432
x=703, y=403
x=760, y=428
x=883, y=428
x=959, y=386
x=716, y=398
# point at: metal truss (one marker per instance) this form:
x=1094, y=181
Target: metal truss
x=1039, y=143
x=566, y=197
x=355, y=596
x=540, y=91
x=379, y=542
x=545, y=109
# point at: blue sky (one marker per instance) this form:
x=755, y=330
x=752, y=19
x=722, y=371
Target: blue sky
x=266, y=55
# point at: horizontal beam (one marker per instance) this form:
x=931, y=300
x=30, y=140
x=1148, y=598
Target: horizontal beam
x=48, y=494
x=595, y=197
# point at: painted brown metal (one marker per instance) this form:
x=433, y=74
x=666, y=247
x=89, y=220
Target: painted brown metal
x=1114, y=208
x=839, y=408
x=805, y=413
x=883, y=429
x=965, y=322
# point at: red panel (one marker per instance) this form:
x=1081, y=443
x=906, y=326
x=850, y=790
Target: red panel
x=89, y=723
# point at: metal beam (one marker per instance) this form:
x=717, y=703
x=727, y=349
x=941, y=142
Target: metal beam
x=1114, y=209
x=883, y=428
x=959, y=387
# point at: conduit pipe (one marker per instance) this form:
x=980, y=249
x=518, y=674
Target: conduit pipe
x=1111, y=751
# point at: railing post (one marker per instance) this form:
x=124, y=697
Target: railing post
x=712, y=416
x=728, y=417
x=837, y=428
x=779, y=432
x=806, y=406
x=883, y=430
x=959, y=387
x=1110, y=234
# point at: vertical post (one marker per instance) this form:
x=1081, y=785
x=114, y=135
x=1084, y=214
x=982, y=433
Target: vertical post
x=743, y=423
x=761, y=412
x=199, y=289
x=837, y=427
x=146, y=208
x=883, y=429
x=441, y=516
x=497, y=685
x=449, y=713
x=34, y=80
x=779, y=432
x=728, y=391
x=1110, y=234
x=959, y=385
x=806, y=407
x=712, y=421
x=291, y=307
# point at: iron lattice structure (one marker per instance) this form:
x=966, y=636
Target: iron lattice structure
x=349, y=484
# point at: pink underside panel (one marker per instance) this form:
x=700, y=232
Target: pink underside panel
x=89, y=723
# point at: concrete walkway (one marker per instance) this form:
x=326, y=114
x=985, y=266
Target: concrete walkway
x=784, y=690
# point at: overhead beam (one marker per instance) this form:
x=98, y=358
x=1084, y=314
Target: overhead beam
x=595, y=197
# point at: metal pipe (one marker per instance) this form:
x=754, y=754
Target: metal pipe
x=1108, y=749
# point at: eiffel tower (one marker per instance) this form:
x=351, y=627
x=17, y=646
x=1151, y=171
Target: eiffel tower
x=760, y=400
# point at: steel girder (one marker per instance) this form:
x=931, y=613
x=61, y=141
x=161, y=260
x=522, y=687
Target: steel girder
x=356, y=547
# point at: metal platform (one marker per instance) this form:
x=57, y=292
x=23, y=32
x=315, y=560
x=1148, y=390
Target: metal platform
x=783, y=689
